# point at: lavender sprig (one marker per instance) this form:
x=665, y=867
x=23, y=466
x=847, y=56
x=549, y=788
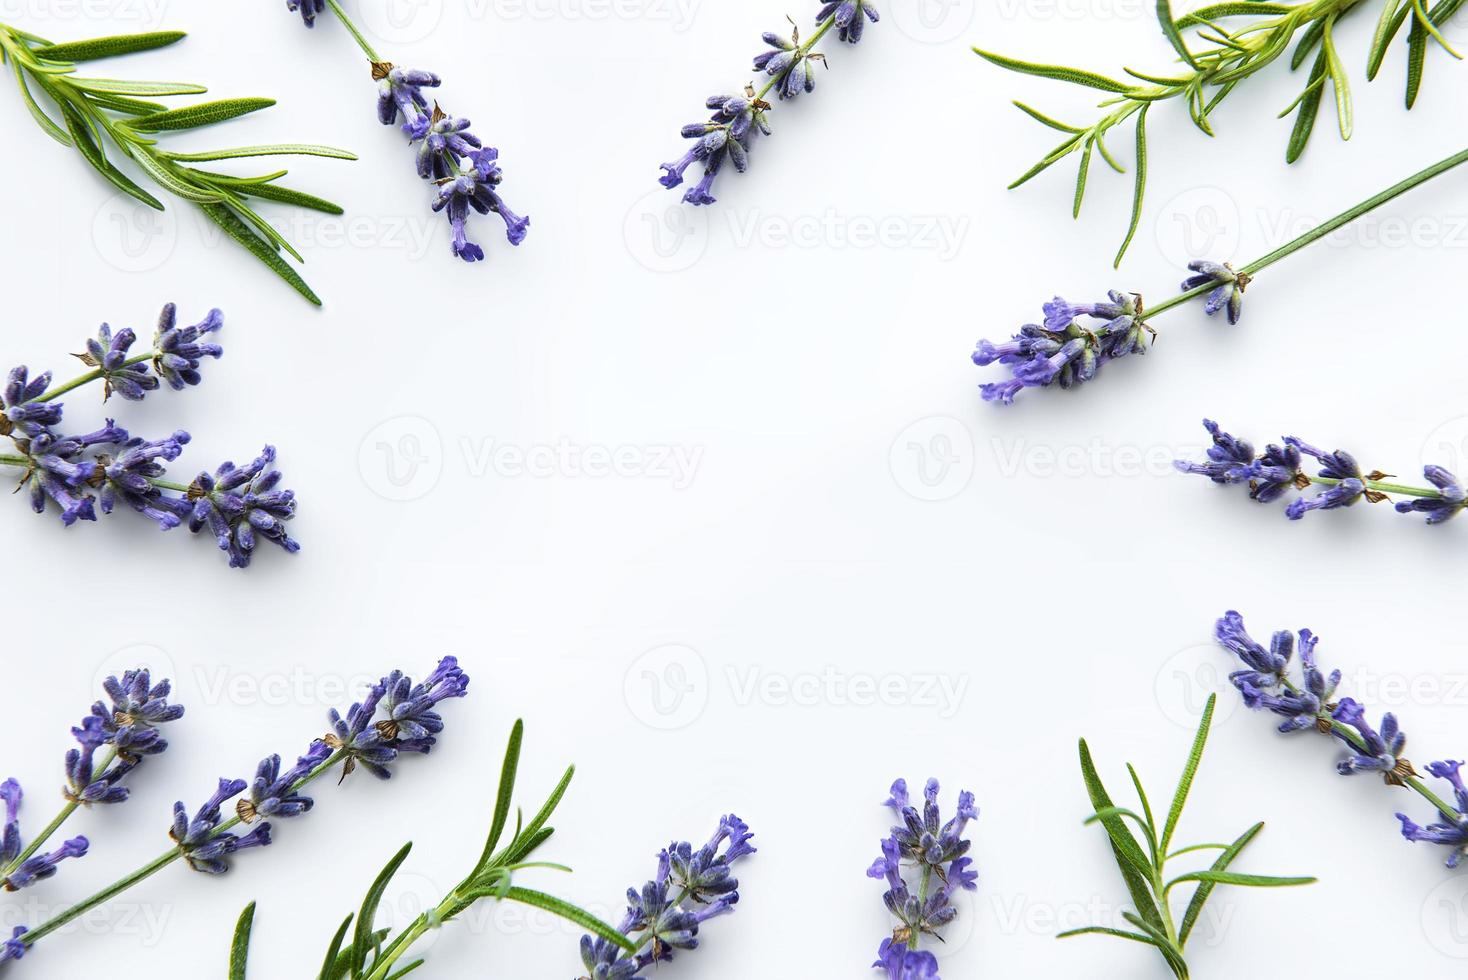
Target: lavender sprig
x=790, y=69
x=206, y=839
x=692, y=885
x=238, y=505
x=1280, y=468
x=936, y=853
x=1074, y=340
x=1273, y=680
x=465, y=173
x=125, y=730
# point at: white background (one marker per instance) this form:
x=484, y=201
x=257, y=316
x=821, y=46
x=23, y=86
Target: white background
x=1063, y=583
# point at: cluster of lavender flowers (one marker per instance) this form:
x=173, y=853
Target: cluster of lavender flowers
x=125, y=729
x=1304, y=697
x=1072, y=342
x=238, y=505
x=465, y=172
x=790, y=66
x=395, y=717
x=691, y=887
x=937, y=854
x=1279, y=469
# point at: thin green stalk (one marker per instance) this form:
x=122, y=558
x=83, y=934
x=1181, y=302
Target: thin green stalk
x=163, y=860
x=88, y=378
x=341, y=15
x=61, y=817
x=1327, y=228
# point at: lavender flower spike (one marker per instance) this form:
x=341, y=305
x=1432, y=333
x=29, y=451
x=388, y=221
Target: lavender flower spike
x=241, y=506
x=1449, y=830
x=789, y=67
x=938, y=853
x=1305, y=701
x=691, y=886
x=273, y=793
x=1066, y=350
x=43, y=866
x=202, y=844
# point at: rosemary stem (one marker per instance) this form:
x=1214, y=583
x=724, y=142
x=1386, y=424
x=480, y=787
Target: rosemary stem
x=153, y=867
x=341, y=15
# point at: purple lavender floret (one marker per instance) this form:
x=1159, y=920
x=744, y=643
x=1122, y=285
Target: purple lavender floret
x=108, y=354
x=1228, y=291
x=14, y=947
x=308, y=8
x=180, y=350
x=938, y=851
x=242, y=506
x=1450, y=830
x=203, y=845
x=474, y=187
x=44, y=866
x=851, y=17
x=691, y=886
x=794, y=68
x=400, y=97
x=22, y=410
x=274, y=793
x=903, y=963
x=1230, y=459
x=1451, y=499
x=1382, y=751
x=725, y=137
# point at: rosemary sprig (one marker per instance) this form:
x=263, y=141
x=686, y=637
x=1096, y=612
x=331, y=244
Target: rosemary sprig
x=359, y=951
x=1144, y=871
x=1226, y=59
x=107, y=120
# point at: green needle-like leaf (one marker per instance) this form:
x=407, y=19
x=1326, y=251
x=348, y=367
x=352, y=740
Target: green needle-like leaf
x=1040, y=117
x=1200, y=897
x=362, y=935
x=1190, y=772
x=241, y=233
x=570, y=913
x=1339, y=83
x=1139, y=188
x=107, y=47
x=194, y=116
x=114, y=86
x=1170, y=953
x=239, y=949
x=508, y=772
x=331, y=967
x=273, y=149
x=1171, y=32
x=1075, y=76
x=1204, y=16
x=1085, y=169
x=1309, y=110
x=46, y=122
x=1132, y=863
x=1249, y=881
x=1393, y=15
